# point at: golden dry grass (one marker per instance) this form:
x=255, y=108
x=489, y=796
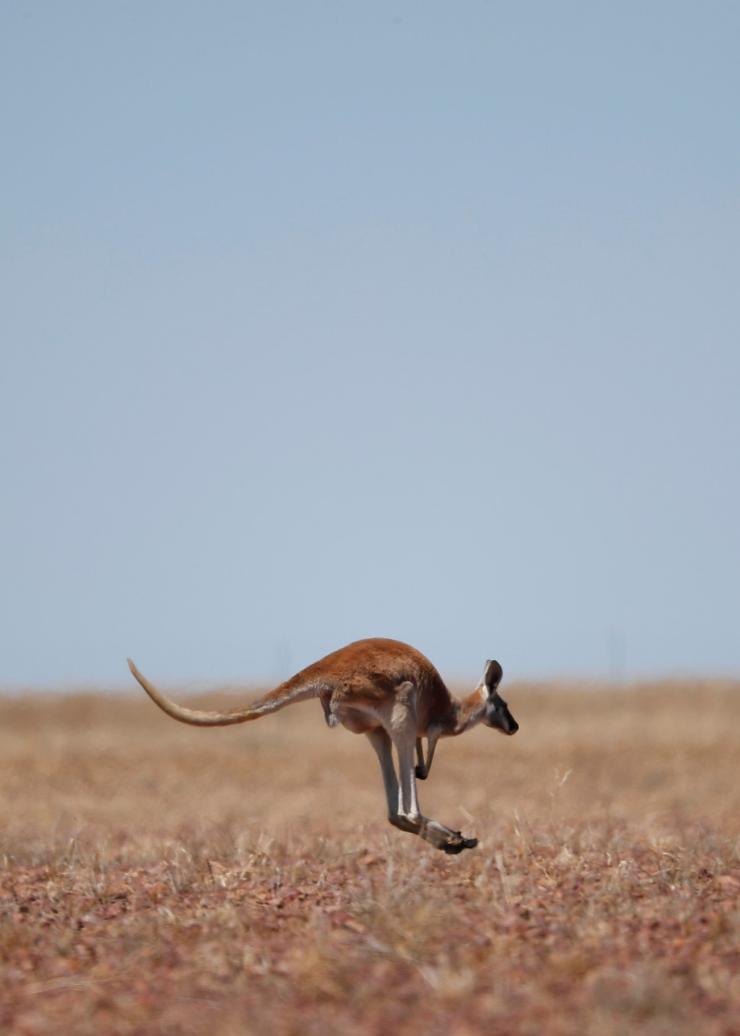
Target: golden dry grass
x=161, y=879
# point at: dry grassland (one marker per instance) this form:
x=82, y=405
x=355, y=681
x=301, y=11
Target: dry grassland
x=161, y=879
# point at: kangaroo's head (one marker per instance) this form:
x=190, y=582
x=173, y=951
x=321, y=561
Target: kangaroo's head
x=497, y=713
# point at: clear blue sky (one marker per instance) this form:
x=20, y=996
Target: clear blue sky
x=327, y=320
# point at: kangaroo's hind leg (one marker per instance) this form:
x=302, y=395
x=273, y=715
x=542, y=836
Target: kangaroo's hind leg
x=404, y=738
x=383, y=749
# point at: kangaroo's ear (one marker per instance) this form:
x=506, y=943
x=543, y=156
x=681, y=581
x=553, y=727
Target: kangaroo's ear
x=493, y=675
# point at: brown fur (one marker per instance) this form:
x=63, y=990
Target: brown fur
x=365, y=672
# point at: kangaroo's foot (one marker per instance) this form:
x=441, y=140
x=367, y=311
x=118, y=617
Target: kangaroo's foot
x=457, y=843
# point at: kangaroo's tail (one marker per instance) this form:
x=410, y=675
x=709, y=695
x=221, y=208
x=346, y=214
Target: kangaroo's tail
x=298, y=688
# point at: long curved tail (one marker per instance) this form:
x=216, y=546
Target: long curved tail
x=293, y=690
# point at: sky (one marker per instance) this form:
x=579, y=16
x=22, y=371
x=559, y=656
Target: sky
x=327, y=320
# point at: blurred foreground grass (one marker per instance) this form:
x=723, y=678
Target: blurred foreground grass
x=159, y=878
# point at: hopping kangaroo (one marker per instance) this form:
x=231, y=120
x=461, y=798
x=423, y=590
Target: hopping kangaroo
x=394, y=695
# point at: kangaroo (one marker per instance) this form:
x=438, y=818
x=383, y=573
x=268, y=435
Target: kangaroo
x=390, y=692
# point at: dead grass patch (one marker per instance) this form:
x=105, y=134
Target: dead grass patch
x=155, y=878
